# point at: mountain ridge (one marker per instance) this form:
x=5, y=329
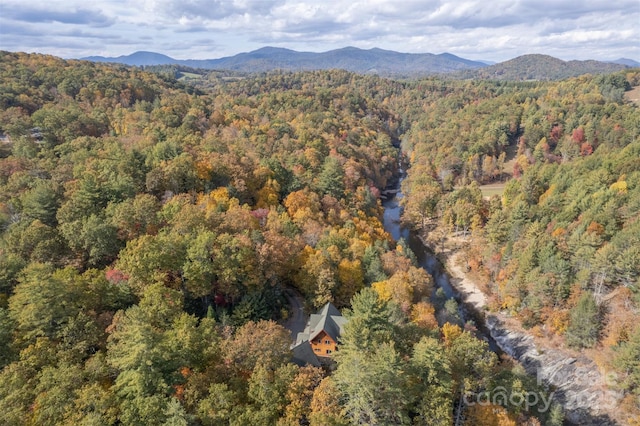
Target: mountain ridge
x=268, y=58
x=539, y=67
x=383, y=62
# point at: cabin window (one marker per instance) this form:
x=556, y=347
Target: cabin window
x=317, y=349
x=328, y=351
x=327, y=342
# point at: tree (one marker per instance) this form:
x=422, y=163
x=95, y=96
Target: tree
x=325, y=405
x=258, y=343
x=471, y=363
x=235, y=263
x=42, y=302
x=41, y=202
x=421, y=203
x=219, y=406
x=370, y=373
x=7, y=327
x=17, y=392
x=93, y=405
x=351, y=280
x=373, y=386
x=199, y=270
x=584, y=323
x=135, y=216
x=35, y=241
x=330, y=180
x=369, y=322
x=143, y=350
x=99, y=241
x=153, y=258
x=56, y=393
x=300, y=391
x=268, y=391
x=433, y=383
x=627, y=359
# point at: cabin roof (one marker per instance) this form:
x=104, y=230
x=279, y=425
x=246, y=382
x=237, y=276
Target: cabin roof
x=328, y=319
x=303, y=354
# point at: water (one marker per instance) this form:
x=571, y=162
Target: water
x=426, y=259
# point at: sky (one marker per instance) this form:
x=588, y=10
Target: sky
x=492, y=30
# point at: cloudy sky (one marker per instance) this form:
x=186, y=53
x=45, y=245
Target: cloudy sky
x=203, y=29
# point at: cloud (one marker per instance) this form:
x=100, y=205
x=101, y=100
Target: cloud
x=469, y=28
x=208, y=10
x=29, y=14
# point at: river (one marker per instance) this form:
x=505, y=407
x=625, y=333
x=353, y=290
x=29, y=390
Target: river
x=426, y=259
x=578, y=385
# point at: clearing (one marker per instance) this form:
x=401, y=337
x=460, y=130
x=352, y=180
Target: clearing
x=497, y=188
x=633, y=95
x=492, y=189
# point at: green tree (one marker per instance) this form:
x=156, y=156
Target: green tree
x=17, y=391
x=431, y=371
x=373, y=385
x=584, y=323
x=135, y=216
x=219, y=406
x=145, y=356
x=42, y=302
x=41, y=202
x=199, y=269
x=56, y=393
x=153, y=258
x=7, y=328
x=627, y=359
x=370, y=322
x=330, y=179
x=268, y=391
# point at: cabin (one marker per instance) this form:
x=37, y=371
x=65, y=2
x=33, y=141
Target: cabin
x=319, y=340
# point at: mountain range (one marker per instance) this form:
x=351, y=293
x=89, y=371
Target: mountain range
x=378, y=61
x=543, y=67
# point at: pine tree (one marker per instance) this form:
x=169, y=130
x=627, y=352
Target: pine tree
x=584, y=324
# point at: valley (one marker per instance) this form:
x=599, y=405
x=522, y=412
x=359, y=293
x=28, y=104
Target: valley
x=159, y=224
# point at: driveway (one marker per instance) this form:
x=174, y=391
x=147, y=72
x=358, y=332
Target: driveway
x=297, y=320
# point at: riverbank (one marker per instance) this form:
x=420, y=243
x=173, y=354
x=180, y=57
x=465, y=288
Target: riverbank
x=468, y=289
x=584, y=391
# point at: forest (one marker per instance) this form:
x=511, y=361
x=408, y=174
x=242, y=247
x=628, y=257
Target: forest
x=150, y=227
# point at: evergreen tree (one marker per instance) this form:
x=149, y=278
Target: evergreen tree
x=584, y=324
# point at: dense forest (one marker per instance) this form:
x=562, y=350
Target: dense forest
x=559, y=248
x=150, y=228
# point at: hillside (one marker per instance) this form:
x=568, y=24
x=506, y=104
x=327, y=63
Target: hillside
x=558, y=248
x=627, y=62
x=149, y=233
x=385, y=63
x=137, y=59
x=373, y=61
x=539, y=67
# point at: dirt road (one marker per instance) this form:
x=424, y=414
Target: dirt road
x=297, y=319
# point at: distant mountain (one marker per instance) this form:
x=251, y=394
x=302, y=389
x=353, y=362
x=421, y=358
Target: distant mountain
x=627, y=61
x=385, y=63
x=373, y=61
x=540, y=67
x=137, y=59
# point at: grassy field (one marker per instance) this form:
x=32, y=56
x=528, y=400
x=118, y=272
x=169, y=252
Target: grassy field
x=189, y=76
x=492, y=189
